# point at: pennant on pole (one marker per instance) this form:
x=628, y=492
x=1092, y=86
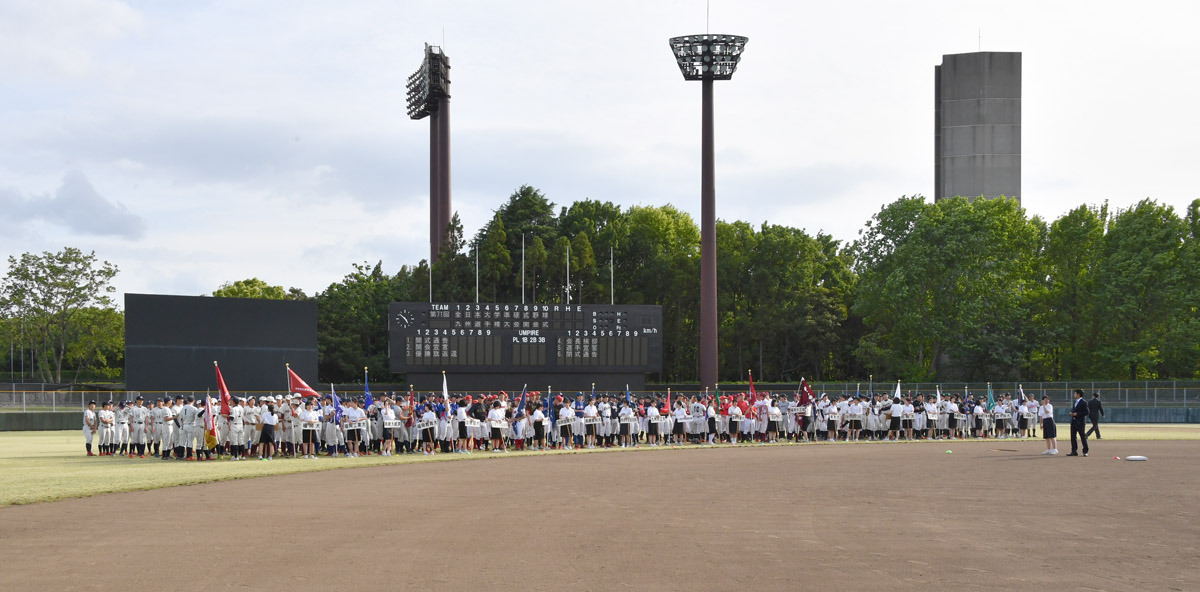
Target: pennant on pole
x=367, y=400
x=297, y=385
x=225, y=398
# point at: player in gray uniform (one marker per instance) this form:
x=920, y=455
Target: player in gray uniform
x=183, y=422
x=91, y=426
x=139, y=427
x=156, y=420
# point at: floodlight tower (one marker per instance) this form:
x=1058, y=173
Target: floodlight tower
x=707, y=58
x=429, y=96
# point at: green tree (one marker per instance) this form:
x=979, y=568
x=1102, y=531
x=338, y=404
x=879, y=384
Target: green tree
x=1067, y=312
x=352, y=321
x=495, y=261
x=583, y=271
x=1139, y=282
x=99, y=345
x=536, y=259
x=947, y=282
x=48, y=295
x=253, y=288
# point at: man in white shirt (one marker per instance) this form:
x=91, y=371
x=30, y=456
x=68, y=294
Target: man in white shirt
x=90, y=426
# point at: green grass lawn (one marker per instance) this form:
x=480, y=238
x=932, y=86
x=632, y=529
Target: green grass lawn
x=47, y=466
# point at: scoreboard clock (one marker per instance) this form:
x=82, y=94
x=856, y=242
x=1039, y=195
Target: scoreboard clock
x=524, y=338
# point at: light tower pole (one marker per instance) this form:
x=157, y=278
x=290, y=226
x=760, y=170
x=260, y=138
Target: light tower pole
x=707, y=58
x=429, y=96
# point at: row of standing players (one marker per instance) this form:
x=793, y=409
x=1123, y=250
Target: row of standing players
x=296, y=426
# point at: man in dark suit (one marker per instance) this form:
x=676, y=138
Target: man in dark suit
x=1079, y=413
x=1095, y=412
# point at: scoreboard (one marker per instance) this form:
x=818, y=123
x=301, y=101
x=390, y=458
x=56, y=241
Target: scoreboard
x=426, y=338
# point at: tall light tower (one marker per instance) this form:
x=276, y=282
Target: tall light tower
x=429, y=96
x=707, y=58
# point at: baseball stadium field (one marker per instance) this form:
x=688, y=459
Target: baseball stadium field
x=957, y=515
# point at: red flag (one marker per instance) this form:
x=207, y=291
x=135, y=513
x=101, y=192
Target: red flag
x=806, y=392
x=297, y=385
x=210, y=424
x=224, y=390
x=752, y=393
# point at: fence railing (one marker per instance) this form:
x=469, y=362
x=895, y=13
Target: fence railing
x=1114, y=394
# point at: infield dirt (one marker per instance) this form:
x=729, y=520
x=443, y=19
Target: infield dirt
x=991, y=515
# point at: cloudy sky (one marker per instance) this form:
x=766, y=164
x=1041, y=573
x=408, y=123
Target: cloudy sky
x=193, y=143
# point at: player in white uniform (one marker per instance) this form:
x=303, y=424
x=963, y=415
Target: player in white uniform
x=236, y=421
x=122, y=415
x=139, y=427
x=91, y=426
x=108, y=429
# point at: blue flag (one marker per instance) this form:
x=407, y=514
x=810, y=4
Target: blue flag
x=628, y=399
x=521, y=406
x=337, y=406
x=367, y=400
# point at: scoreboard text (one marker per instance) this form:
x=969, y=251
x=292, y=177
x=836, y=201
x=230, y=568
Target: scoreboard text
x=425, y=337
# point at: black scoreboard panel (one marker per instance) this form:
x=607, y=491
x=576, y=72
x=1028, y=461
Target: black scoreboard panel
x=502, y=338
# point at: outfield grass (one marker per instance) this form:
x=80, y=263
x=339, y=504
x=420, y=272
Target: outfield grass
x=47, y=466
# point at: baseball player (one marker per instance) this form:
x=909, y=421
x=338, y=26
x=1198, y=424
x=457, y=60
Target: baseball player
x=108, y=429
x=90, y=426
x=139, y=427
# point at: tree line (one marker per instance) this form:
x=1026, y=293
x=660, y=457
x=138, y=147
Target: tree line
x=952, y=290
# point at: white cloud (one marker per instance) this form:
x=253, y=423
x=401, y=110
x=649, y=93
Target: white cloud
x=76, y=206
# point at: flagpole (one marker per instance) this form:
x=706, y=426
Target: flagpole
x=431, y=283
x=522, y=268
x=612, y=295
x=568, y=274
x=287, y=378
x=476, y=273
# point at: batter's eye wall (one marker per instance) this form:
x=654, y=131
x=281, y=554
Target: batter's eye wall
x=172, y=341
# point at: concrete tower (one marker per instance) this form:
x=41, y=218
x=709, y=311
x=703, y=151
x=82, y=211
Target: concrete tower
x=977, y=125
